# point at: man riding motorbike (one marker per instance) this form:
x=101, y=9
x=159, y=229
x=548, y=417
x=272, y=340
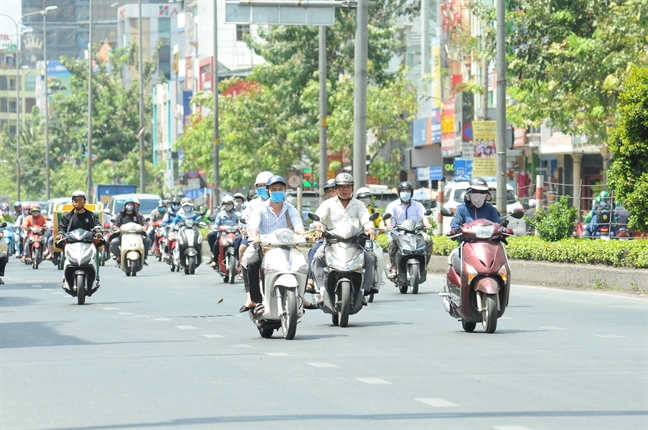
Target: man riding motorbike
x=127, y=215
x=4, y=214
x=603, y=204
x=225, y=216
x=186, y=212
x=35, y=221
x=402, y=209
x=329, y=192
x=78, y=218
x=173, y=210
x=343, y=209
x=239, y=203
x=20, y=241
x=241, y=243
x=17, y=209
x=156, y=215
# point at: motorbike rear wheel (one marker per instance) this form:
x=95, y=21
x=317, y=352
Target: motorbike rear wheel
x=80, y=289
x=36, y=256
x=266, y=332
x=415, y=278
x=289, y=319
x=61, y=261
x=469, y=327
x=489, y=314
x=345, y=304
x=231, y=271
x=403, y=289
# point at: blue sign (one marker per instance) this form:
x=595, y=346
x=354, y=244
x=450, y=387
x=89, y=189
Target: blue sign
x=419, y=132
x=436, y=125
x=434, y=173
x=463, y=169
x=195, y=193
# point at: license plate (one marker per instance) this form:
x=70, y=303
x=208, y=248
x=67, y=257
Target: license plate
x=3, y=246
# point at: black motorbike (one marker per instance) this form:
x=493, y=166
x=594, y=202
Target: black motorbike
x=410, y=258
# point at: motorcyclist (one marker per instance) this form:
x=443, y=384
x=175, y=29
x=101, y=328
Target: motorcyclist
x=329, y=192
x=227, y=216
x=186, y=212
x=78, y=218
x=36, y=221
x=622, y=215
x=156, y=215
x=343, y=209
x=402, y=209
x=364, y=195
x=603, y=204
x=127, y=215
x=4, y=214
x=173, y=210
x=239, y=204
x=476, y=206
x=267, y=217
x=17, y=209
x=20, y=241
x=241, y=243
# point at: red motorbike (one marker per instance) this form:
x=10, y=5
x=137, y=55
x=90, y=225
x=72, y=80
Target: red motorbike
x=170, y=233
x=227, y=266
x=36, y=245
x=477, y=284
x=159, y=240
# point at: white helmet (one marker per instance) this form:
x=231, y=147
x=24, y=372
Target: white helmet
x=78, y=193
x=363, y=192
x=262, y=178
x=228, y=199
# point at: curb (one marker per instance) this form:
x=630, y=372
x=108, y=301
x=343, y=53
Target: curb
x=561, y=274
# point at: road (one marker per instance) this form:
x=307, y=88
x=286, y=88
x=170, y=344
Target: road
x=163, y=351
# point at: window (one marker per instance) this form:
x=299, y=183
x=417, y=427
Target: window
x=12, y=130
x=241, y=30
x=12, y=106
x=3, y=104
x=30, y=83
x=3, y=83
x=2, y=123
x=12, y=84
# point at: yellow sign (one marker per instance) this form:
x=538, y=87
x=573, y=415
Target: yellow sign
x=436, y=72
x=484, y=137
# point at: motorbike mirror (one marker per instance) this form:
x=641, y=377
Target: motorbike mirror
x=242, y=221
x=387, y=216
x=113, y=219
x=517, y=214
x=447, y=212
x=3, y=225
x=374, y=216
x=147, y=219
x=315, y=217
x=106, y=211
x=428, y=212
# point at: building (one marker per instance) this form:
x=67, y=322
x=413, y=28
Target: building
x=8, y=107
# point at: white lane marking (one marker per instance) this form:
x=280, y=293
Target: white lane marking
x=162, y=319
x=374, y=381
x=212, y=336
x=610, y=336
x=550, y=327
x=142, y=316
x=242, y=345
x=110, y=309
x=417, y=309
x=277, y=354
x=437, y=403
x=385, y=306
x=56, y=292
x=124, y=313
x=321, y=364
x=37, y=286
x=511, y=428
x=186, y=327
x=48, y=289
x=596, y=293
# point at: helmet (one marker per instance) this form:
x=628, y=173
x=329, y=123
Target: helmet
x=161, y=203
x=175, y=201
x=262, y=178
x=604, y=195
x=228, y=199
x=252, y=195
x=344, y=179
x=17, y=204
x=35, y=208
x=275, y=179
x=128, y=200
x=363, y=193
x=329, y=184
x=186, y=201
x=239, y=196
x=79, y=193
x=478, y=184
x=25, y=207
x=4, y=207
x=405, y=185
x=136, y=201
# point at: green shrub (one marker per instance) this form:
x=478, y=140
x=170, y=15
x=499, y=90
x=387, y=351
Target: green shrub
x=555, y=222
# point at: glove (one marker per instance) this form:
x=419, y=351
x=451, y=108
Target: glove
x=452, y=232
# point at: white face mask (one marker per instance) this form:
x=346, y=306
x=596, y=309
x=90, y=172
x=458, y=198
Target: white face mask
x=129, y=207
x=365, y=201
x=478, y=200
x=187, y=208
x=228, y=208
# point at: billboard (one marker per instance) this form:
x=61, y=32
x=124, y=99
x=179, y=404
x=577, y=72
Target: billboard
x=484, y=157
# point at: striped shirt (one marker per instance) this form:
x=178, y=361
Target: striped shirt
x=264, y=220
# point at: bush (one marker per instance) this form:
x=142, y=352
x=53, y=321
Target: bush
x=555, y=222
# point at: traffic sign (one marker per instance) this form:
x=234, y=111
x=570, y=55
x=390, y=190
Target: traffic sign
x=264, y=13
x=294, y=181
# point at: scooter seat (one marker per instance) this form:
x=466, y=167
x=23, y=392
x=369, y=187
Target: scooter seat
x=456, y=263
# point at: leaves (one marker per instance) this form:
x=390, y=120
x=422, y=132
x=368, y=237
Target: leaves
x=555, y=222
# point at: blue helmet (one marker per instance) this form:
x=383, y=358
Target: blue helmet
x=275, y=179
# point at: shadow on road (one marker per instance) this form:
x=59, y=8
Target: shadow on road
x=13, y=301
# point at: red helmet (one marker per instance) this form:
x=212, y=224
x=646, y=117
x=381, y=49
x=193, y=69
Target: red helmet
x=25, y=207
x=136, y=201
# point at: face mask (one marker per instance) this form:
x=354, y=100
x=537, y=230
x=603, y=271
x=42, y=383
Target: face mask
x=365, y=201
x=5, y=212
x=187, y=208
x=405, y=196
x=228, y=208
x=262, y=192
x=478, y=200
x=175, y=207
x=35, y=213
x=129, y=207
x=277, y=196
x=162, y=210
x=238, y=206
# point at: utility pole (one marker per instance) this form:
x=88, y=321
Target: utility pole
x=18, y=107
x=501, y=107
x=323, y=113
x=140, y=134
x=426, y=54
x=216, y=196
x=360, y=96
x=47, y=160
x=89, y=154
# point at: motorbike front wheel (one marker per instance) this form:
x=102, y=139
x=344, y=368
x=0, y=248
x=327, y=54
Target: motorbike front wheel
x=192, y=265
x=61, y=261
x=415, y=278
x=289, y=318
x=80, y=288
x=489, y=314
x=345, y=304
x=36, y=256
x=266, y=332
x=231, y=270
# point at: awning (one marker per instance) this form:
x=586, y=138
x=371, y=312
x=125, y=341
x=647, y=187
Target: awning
x=558, y=143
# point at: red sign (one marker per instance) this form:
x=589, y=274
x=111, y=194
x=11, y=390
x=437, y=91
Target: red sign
x=519, y=137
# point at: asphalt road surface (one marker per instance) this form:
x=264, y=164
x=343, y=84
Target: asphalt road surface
x=169, y=350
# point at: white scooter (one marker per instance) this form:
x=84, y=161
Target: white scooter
x=80, y=269
x=285, y=271
x=132, y=248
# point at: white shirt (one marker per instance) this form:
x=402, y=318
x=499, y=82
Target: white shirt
x=265, y=221
x=331, y=212
x=250, y=207
x=400, y=212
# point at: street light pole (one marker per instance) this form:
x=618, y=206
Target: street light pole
x=216, y=199
x=89, y=155
x=47, y=160
x=501, y=107
x=360, y=96
x=141, y=99
x=323, y=170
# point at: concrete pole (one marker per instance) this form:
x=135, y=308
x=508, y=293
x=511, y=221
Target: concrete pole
x=89, y=154
x=360, y=96
x=426, y=57
x=501, y=107
x=576, y=179
x=323, y=162
x=18, y=107
x=141, y=100
x=47, y=150
x=216, y=195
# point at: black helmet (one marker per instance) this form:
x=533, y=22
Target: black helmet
x=329, y=184
x=478, y=184
x=405, y=185
x=344, y=179
x=275, y=179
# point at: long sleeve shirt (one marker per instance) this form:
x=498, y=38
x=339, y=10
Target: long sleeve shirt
x=467, y=213
x=265, y=221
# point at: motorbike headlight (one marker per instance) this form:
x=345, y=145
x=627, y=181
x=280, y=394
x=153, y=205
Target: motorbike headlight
x=484, y=232
x=303, y=269
x=503, y=273
x=471, y=272
x=285, y=236
x=332, y=261
x=189, y=223
x=132, y=229
x=87, y=256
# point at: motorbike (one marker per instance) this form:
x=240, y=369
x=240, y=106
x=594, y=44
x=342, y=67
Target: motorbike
x=80, y=270
x=8, y=239
x=5, y=248
x=37, y=244
x=159, y=240
x=379, y=256
x=226, y=264
x=285, y=271
x=344, y=251
x=131, y=249
x=187, y=252
x=410, y=258
x=477, y=284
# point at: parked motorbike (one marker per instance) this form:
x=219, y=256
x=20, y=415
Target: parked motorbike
x=410, y=258
x=477, y=284
x=187, y=253
x=36, y=244
x=80, y=271
x=285, y=271
x=226, y=264
x=132, y=248
x=344, y=251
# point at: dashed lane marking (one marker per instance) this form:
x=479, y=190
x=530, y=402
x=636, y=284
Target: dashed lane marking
x=124, y=313
x=111, y=309
x=437, y=403
x=505, y=318
x=48, y=289
x=162, y=319
x=212, y=336
x=142, y=316
x=37, y=286
x=56, y=292
x=321, y=364
x=186, y=327
x=551, y=328
x=242, y=345
x=373, y=381
x=277, y=354
x=610, y=336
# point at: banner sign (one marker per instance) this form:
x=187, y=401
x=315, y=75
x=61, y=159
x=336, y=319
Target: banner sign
x=484, y=135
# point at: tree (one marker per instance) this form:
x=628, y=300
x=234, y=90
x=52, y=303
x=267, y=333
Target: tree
x=628, y=174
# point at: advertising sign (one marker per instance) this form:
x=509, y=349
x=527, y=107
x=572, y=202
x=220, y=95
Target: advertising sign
x=447, y=129
x=436, y=125
x=419, y=132
x=484, y=135
x=463, y=169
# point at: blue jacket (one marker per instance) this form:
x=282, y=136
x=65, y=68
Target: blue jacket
x=467, y=213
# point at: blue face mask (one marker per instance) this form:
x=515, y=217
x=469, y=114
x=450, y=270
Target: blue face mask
x=162, y=210
x=262, y=192
x=405, y=196
x=277, y=196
